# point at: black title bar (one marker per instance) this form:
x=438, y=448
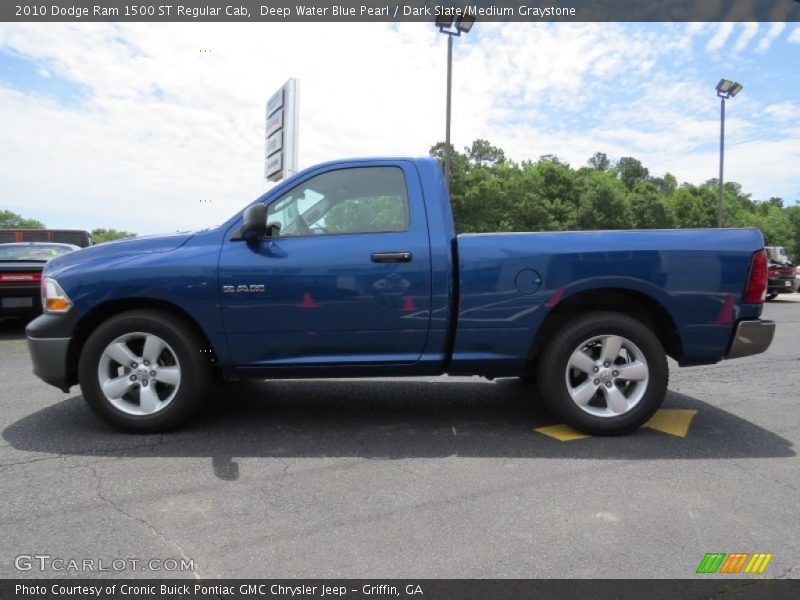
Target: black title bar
x=392, y=589
x=392, y=10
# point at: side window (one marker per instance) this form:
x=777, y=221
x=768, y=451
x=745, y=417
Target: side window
x=358, y=200
x=36, y=236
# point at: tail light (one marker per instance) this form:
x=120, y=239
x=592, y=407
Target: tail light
x=20, y=277
x=756, y=290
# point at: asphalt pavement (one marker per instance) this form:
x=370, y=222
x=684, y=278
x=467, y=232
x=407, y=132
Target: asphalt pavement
x=415, y=478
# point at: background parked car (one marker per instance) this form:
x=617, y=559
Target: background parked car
x=782, y=279
x=777, y=254
x=21, y=266
x=77, y=237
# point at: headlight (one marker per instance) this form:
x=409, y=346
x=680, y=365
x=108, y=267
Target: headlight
x=54, y=299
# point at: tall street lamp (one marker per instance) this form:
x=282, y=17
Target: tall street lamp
x=726, y=89
x=451, y=28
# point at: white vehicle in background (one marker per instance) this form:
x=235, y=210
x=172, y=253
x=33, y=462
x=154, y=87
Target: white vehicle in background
x=777, y=254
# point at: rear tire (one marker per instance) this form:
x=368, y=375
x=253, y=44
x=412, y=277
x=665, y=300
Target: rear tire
x=772, y=295
x=143, y=371
x=604, y=373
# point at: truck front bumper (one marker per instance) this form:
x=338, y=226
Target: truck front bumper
x=49, y=357
x=751, y=337
x=49, y=338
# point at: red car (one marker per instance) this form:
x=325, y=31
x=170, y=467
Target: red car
x=21, y=268
x=782, y=279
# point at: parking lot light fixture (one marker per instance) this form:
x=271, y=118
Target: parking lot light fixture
x=451, y=27
x=726, y=89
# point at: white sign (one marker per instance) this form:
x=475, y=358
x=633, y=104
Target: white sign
x=274, y=123
x=274, y=143
x=275, y=102
x=281, y=133
x=274, y=165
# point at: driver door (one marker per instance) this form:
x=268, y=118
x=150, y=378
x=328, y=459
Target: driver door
x=347, y=280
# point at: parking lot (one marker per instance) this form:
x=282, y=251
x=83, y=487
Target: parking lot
x=440, y=477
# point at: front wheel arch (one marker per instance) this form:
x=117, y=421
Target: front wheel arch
x=155, y=388
x=102, y=312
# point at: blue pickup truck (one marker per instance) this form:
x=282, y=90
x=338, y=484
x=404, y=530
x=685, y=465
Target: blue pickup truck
x=354, y=269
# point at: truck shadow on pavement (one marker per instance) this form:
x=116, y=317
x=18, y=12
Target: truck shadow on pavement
x=13, y=328
x=380, y=419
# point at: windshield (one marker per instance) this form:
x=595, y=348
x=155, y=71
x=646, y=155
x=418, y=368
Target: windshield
x=42, y=252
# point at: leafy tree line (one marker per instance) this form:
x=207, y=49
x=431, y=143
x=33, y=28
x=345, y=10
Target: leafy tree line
x=11, y=220
x=491, y=193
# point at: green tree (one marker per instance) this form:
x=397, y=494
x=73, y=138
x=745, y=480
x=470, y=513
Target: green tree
x=489, y=192
x=600, y=161
x=602, y=203
x=666, y=184
x=11, y=220
x=631, y=171
x=482, y=152
x=649, y=209
x=106, y=235
x=693, y=206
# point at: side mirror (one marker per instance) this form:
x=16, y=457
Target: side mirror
x=273, y=229
x=255, y=222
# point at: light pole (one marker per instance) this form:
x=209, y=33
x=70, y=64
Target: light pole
x=726, y=89
x=451, y=28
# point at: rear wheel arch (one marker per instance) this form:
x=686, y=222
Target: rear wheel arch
x=638, y=305
x=603, y=373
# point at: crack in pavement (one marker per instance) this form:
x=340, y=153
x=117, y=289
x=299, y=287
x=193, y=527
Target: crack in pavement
x=788, y=572
x=113, y=452
x=31, y=461
x=145, y=522
x=763, y=477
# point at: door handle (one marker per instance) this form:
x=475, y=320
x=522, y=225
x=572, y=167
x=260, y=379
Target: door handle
x=387, y=257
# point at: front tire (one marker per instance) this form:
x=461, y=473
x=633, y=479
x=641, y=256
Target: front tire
x=143, y=371
x=604, y=373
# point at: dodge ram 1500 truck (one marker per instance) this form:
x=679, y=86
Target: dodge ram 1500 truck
x=354, y=269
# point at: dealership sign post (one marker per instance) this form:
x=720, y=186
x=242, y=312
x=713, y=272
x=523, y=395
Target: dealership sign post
x=280, y=159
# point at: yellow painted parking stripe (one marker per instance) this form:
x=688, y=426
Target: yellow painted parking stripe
x=674, y=421
x=563, y=433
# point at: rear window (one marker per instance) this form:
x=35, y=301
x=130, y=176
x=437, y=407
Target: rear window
x=38, y=252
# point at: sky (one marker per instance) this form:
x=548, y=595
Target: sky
x=160, y=127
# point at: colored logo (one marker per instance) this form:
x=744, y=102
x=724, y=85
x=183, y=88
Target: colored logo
x=736, y=562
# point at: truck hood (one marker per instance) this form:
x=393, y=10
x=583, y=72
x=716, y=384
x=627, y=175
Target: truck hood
x=139, y=245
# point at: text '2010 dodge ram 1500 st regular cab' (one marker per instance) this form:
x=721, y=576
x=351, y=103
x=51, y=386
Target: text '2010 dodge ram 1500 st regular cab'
x=354, y=269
